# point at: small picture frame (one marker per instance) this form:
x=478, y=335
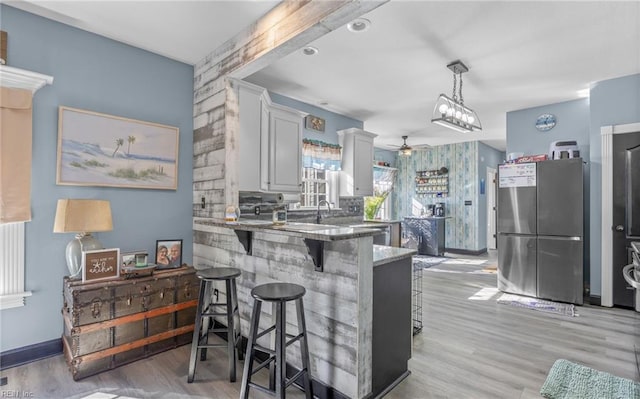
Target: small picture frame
x=101, y=264
x=168, y=254
x=134, y=259
x=314, y=123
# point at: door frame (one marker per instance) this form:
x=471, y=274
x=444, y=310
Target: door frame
x=490, y=187
x=606, y=139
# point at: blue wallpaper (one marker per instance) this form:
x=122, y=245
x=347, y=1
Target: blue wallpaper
x=98, y=74
x=462, y=161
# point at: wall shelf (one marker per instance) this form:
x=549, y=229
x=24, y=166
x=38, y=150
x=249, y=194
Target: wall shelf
x=432, y=183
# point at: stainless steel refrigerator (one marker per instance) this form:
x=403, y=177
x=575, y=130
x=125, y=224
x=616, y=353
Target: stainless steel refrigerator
x=540, y=229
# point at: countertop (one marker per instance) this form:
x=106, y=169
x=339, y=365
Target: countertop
x=383, y=254
x=320, y=232
x=428, y=217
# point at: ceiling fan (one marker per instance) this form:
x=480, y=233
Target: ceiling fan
x=405, y=149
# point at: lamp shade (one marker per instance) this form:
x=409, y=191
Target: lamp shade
x=82, y=215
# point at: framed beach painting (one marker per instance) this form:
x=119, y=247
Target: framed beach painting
x=103, y=150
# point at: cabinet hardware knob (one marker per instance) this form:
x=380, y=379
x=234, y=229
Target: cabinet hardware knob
x=619, y=227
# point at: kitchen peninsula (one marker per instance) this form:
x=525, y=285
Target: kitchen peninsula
x=350, y=332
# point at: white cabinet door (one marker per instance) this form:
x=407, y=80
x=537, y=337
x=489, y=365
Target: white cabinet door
x=363, y=166
x=250, y=138
x=285, y=147
x=356, y=178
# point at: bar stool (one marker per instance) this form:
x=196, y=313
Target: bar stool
x=279, y=294
x=207, y=277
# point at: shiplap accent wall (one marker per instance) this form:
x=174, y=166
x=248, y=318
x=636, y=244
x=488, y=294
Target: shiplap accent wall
x=462, y=161
x=340, y=352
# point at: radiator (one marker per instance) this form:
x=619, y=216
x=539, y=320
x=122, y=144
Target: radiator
x=12, y=291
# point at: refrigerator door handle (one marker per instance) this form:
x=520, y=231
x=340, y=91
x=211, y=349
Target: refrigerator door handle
x=561, y=238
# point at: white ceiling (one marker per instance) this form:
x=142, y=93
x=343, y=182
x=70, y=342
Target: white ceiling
x=520, y=54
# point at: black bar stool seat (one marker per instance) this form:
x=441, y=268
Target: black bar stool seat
x=206, y=311
x=278, y=294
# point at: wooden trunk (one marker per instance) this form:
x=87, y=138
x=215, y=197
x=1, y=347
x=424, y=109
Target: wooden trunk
x=114, y=322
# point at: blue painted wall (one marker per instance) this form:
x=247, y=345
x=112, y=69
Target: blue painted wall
x=572, y=124
x=98, y=74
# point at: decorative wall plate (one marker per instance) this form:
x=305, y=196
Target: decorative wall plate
x=545, y=122
x=314, y=123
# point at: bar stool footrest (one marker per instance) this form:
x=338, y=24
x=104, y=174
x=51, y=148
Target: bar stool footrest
x=294, y=378
x=265, y=332
x=263, y=364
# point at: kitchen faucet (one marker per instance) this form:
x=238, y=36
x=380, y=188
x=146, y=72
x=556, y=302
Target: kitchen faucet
x=319, y=216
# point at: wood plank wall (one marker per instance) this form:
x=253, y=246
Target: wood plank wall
x=338, y=302
x=288, y=27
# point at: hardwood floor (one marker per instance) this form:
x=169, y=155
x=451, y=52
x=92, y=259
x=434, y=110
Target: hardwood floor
x=467, y=349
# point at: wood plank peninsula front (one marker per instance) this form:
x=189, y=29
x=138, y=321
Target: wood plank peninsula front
x=339, y=299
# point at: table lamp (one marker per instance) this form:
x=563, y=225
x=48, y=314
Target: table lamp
x=81, y=216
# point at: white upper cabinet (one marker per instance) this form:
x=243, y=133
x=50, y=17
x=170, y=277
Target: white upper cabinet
x=269, y=144
x=285, y=150
x=356, y=178
x=250, y=137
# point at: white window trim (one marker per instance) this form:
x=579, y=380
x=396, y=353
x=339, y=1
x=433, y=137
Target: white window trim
x=12, y=293
x=12, y=240
x=333, y=186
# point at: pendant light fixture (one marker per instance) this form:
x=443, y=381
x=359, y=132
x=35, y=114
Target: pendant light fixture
x=404, y=150
x=451, y=112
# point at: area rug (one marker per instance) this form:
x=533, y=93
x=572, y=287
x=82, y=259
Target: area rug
x=568, y=380
x=542, y=305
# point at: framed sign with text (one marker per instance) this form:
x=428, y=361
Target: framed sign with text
x=100, y=264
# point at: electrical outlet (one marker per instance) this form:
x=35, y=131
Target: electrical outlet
x=256, y=210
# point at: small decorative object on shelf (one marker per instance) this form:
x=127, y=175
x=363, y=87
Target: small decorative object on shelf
x=432, y=183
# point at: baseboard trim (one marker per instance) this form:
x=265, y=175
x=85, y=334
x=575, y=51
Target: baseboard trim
x=27, y=354
x=466, y=251
x=595, y=300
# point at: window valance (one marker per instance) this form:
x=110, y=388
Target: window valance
x=15, y=155
x=320, y=155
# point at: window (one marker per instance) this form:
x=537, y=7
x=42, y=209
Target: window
x=385, y=209
x=318, y=185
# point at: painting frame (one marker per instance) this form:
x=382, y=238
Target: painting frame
x=134, y=259
x=170, y=246
x=316, y=123
x=94, y=149
x=104, y=263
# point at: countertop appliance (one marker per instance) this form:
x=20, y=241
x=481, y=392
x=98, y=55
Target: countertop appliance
x=438, y=210
x=541, y=229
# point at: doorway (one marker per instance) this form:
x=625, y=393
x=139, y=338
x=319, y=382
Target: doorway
x=626, y=211
x=492, y=237
x=610, y=271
